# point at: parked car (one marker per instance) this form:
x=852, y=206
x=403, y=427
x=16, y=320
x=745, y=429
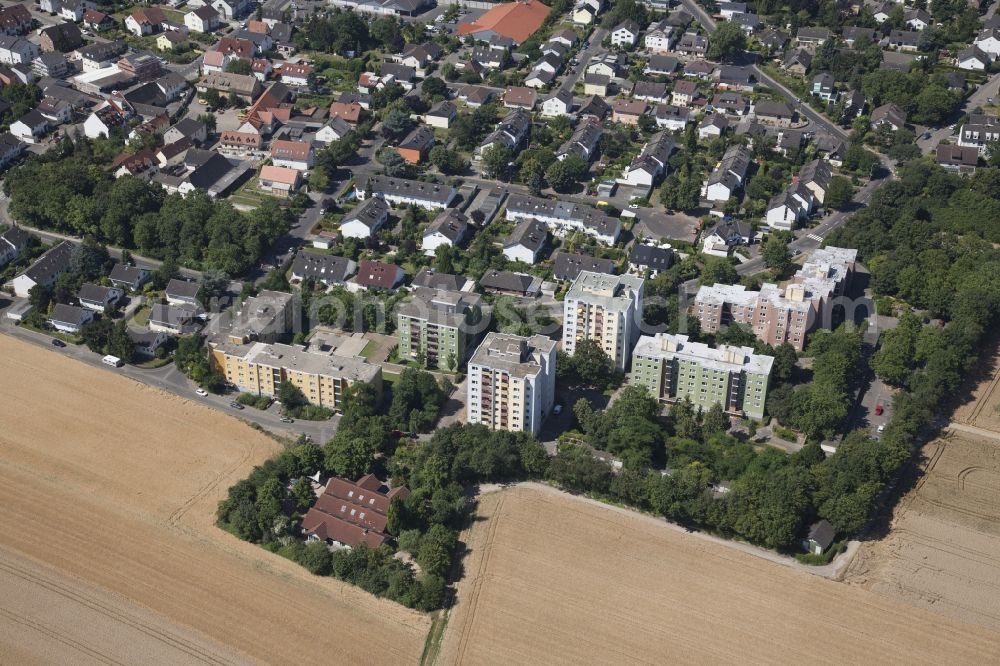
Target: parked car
x=235, y=405
x=285, y=419
x=202, y=392
x=881, y=428
x=557, y=410
x=878, y=410
x=58, y=343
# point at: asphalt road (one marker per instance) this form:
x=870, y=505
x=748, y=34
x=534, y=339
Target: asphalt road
x=584, y=56
x=979, y=97
x=170, y=379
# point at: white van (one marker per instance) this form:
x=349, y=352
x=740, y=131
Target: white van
x=113, y=361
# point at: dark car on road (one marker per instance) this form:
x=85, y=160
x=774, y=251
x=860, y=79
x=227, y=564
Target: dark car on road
x=58, y=343
x=235, y=405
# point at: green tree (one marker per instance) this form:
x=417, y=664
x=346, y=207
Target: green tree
x=290, y=396
x=434, y=88
x=776, y=254
x=303, y=494
x=238, y=66
x=386, y=31
x=351, y=455
x=839, y=193
x=718, y=271
x=591, y=365
x=768, y=508
x=727, y=42
x=497, y=162
x=316, y=558
x=393, y=163
x=208, y=119
x=119, y=342
x=716, y=421
x=448, y=162
x=396, y=124
x=895, y=360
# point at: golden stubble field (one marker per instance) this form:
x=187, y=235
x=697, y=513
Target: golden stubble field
x=109, y=490
x=556, y=579
x=943, y=548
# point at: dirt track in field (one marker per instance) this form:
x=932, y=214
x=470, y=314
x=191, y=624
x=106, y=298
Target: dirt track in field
x=557, y=579
x=109, y=489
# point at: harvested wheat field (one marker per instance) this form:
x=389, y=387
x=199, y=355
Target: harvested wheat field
x=112, y=486
x=943, y=549
x=557, y=579
x=983, y=408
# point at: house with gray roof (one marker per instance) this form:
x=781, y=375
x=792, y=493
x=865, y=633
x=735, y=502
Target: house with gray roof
x=526, y=242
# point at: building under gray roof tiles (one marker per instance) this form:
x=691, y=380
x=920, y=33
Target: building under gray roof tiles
x=659, y=147
x=421, y=138
x=322, y=267
x=772, y=109
x=735, y=163
x=630, y=25
x=432, y=279
x=569, y=265
x=15, y=237
x=369, y=212
x=649, y=90
x=562, y=210
x=654, y=258
x=52, y=263
x=450, y=223
x=443, y=109
x=93, y=293
x=185, y=289
x=69, y=314
x=512, y=282
x=530, y=234
x=817, y=171
x=431, y=192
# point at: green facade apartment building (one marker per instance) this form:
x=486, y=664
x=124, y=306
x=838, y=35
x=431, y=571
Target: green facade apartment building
x=438, y=326
x=672, y=368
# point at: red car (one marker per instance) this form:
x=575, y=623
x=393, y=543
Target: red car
x=878, y=410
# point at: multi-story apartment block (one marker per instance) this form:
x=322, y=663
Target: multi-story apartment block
x=437, y=325
x=777, y=315
x=512, y=382
x=606, y=309
x=673, y=368
x=262, y=318
x=323, y=377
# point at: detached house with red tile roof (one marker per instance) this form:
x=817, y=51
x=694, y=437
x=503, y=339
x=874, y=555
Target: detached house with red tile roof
x=294, y=74
x=349, y=513
x=377, y=275
x=292, y=154
x=145, y=21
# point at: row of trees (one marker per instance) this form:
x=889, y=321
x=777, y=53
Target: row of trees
x=267, y=506
x=74, y=195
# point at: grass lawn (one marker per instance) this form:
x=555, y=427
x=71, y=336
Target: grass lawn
x=390, y=377
x=369, y=350
x=141, y=317
x=154, y=363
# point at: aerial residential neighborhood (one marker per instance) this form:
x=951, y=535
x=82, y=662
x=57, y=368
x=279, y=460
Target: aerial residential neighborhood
x=425, y=291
